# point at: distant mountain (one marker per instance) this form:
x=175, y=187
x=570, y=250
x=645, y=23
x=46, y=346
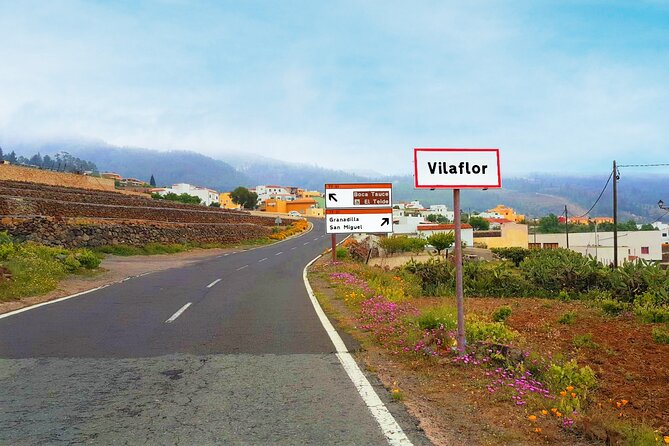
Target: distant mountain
x=263, y=170
x=167, y=167
x=539, y=195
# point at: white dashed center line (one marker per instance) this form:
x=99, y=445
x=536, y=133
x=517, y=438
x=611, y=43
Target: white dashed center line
x=294, y=247
x=278, y=253
x=241, y=268
x=262, y=260
x=306, y=243
x=213, y=283
x=178, y=313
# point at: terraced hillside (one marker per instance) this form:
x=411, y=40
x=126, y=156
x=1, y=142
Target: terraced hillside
x=79, y=217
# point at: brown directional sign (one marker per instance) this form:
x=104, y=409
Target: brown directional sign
x=371, y=198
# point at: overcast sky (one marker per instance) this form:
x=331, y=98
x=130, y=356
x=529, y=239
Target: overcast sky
x=563, y=86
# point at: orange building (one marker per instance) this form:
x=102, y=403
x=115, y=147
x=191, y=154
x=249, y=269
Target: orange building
x=283, y=207
x=507, y=213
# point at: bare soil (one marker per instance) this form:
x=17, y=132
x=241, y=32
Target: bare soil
x=451, y=401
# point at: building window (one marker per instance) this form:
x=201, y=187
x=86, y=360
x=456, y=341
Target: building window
x=551, y=245
x=645, y=250
x=534, y=245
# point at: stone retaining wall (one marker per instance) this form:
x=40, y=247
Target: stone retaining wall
x=77, y=233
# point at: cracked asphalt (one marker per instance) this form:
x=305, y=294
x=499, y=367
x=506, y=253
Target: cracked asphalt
x=247, y=363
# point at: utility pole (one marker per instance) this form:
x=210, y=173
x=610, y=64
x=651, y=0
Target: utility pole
x=459, y=295
x=566, y=224
x=615, y=215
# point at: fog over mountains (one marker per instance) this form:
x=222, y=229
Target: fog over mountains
x=534, y=195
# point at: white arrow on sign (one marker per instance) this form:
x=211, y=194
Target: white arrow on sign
x=354, y=221
x=358, y=195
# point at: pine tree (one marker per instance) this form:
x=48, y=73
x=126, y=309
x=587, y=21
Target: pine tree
x=152, y=182
x=2, y=155
x=12, y=157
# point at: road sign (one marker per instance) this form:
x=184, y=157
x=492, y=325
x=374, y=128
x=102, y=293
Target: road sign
x=358, y=195
x=353, y=221
x=457, y=168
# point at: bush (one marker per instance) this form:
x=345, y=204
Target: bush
x=501, y=314
x=497, y=279
x=569, y=374
x=584, y=341
x=342, y=253
x=87, y=259
x=401, y=243
x=651, y=315
x=612, y=307
x=515, y=254
x=661, y=335
x=633, y=279
x=477, y=330
x=437, y=317
x=436, y=276
x=568, y=318
x=555, y=270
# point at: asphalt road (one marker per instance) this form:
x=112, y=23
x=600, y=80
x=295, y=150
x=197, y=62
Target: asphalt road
x=224, y=351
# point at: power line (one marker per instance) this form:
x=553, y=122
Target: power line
x=644, y=165
x=598, y=198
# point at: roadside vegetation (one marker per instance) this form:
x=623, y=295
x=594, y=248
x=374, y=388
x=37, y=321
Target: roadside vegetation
x=28, y=269
x=561, y=349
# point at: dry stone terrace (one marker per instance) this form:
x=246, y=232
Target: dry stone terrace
x=60, y=216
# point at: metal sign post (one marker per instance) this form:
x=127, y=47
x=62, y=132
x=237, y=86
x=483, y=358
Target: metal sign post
x=457, y=169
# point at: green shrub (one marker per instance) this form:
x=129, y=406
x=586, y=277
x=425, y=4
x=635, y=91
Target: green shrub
x=661, y=335
x=556, y=270
x=342, y=253
x=441, y=240
x=515, y=254
x=6, y=250
x=436, y=276
x=436, y=317
x=501, y=314
x=584, y=341
x=559, y=376
x=119, y=250
x=395, y=244
x=568, y=318
x=634, y=279
x=88, y=259
x=71, y=263
x=477, y=330
x=651, y=315
x=612, y=307
x=496, y=279
x=5, y=238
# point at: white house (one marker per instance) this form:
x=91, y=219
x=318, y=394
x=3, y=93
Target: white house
x=438, y=209
x=207, y=196
x=664, y=231
x=632, y=245
x=492, y=215
x=277, y=192
x=406, y=224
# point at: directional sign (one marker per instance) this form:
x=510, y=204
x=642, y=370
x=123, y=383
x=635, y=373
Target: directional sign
x=358, y=195
x=352, y=221
x=457, y=168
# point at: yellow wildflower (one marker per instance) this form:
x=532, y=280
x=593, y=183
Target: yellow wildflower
x=573, y=395
x=532, y=418
x=563, y=393
x=570, y=388
x=544, y=412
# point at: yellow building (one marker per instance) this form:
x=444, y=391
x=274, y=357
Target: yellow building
x=507, y=213
x=510, y=235
x=226, y=201
x=301, y=193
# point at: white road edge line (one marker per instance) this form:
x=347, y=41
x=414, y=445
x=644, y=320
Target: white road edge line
x=241, y=268
x=262, y=260
x=391, y=429
x=213, y=283
x=178, y=313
